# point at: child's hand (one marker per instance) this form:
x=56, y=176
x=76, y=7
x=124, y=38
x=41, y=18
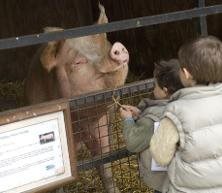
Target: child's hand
x=128, y=111
x=134, y=110
x=125, y=113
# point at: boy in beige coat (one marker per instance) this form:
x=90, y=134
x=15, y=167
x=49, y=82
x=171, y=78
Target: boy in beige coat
x=189, y=138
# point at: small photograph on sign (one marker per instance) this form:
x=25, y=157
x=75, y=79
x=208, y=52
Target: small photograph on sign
x=49, y=167
x=47, y=137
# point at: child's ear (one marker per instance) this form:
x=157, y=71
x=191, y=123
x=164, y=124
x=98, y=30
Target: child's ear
x=187, y=74
x=165, y=90
x=186, y=78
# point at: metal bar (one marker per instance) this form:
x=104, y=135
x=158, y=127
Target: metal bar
x=203, y=20
x=144, y=85
x=106, y=158
x=109, y=27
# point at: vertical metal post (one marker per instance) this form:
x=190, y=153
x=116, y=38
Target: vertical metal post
x=203, y=21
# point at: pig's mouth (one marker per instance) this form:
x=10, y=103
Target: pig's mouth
x=121, y=65
x=123, y=62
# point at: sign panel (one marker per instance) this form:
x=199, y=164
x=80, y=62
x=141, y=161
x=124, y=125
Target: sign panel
x=36, y=152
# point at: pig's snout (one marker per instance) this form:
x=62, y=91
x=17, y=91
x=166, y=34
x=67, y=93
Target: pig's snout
x=119, y=53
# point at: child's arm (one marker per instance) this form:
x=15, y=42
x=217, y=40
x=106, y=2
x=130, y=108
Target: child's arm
x=164, y=142
x=137, y=134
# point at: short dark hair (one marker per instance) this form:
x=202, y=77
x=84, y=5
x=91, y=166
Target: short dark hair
x=202, y=57
x=167, y=74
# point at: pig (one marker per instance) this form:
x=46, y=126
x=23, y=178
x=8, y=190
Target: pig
x=77, y=66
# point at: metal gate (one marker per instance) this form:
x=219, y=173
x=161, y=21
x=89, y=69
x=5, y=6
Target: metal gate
x=123, y=163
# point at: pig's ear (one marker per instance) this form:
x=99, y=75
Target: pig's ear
x=102, y=17
x=51, y=50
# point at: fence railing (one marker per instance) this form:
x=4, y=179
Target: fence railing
x=127, y=92
x=200, y=12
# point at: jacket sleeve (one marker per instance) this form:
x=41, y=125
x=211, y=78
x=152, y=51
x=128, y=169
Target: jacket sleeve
x=137, y=134
x=163, y=143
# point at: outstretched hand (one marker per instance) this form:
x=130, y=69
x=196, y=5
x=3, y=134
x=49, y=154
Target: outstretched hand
x=128, y=111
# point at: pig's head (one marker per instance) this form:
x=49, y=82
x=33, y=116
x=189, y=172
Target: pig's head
x=93, y=50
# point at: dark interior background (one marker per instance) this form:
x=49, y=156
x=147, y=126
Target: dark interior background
x=146, y=45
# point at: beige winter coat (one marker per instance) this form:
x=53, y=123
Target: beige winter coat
x=195, y=165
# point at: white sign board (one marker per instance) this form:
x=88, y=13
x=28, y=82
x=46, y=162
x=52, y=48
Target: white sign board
x=33, y=153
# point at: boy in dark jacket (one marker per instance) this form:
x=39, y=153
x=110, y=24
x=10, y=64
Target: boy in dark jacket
x=139, y=121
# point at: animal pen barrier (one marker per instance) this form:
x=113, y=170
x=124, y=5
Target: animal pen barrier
x=123, y=162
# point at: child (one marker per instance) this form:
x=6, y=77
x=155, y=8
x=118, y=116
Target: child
x=138, y=133
x=189, y=138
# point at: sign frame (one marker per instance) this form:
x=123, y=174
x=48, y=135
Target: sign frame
x=30, y=113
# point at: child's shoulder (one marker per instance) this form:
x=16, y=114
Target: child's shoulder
x=147, y=102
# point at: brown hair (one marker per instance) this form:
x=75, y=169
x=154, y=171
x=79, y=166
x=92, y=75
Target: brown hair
x=167, y=75
x=202, y=57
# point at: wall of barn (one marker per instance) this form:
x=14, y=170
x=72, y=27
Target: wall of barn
x=146, y=45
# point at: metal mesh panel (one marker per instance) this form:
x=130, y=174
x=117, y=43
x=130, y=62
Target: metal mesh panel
x=102, y=155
